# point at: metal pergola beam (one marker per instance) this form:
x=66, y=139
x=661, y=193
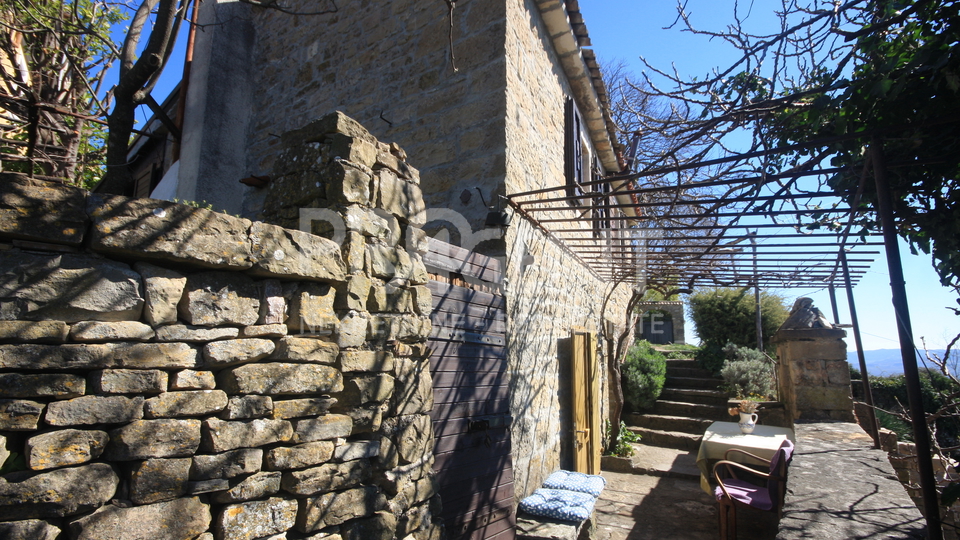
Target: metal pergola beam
x=666, y=217
x=696, y=226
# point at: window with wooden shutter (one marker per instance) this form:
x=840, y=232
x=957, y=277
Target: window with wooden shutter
x=573, y=151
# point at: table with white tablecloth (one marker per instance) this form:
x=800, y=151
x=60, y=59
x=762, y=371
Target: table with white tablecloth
x=722, y=436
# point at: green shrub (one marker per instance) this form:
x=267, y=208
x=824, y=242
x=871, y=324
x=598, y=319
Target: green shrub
x=890, y=393
x=752, y=379
x=855, y=374
x=710, y=357
x=735, y=353
x=903, y=430
x=644, y=372
x=729, y=316
x=747, y=373
x=679, y=351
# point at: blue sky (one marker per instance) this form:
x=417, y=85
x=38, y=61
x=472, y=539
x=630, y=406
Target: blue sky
x=625, y=30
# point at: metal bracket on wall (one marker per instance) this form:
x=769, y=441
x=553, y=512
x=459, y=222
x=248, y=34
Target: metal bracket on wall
x=463, y=335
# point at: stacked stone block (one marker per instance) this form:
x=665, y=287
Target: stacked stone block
x=814, y=374
x=169, y=372
x=903, y=458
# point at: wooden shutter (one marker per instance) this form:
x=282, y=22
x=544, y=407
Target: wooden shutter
x=586, y=402
x=572, y=150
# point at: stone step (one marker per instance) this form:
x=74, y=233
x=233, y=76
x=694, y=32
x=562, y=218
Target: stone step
x=655, y=461
x=668, y=423
x=695, y=395
x=668, y=439
x=692, y=382
x=682, y=363
x=694, y=410
x=690, y=372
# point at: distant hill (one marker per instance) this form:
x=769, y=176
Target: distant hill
x=881, y=361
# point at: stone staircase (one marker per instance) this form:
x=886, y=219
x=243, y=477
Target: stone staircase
x=689, y=403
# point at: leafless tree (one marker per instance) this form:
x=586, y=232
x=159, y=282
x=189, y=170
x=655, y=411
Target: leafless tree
x=55, y=58
x=793, y=110
x=58, y=53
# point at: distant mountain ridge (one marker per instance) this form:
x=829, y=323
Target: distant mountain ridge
x=883, y=361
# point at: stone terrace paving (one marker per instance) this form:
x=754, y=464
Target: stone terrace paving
x=839, y=487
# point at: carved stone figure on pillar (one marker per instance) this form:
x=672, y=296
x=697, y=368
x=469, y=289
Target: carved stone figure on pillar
x=805, y=315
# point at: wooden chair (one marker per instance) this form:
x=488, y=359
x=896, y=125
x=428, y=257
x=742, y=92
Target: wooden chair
x=732, y=491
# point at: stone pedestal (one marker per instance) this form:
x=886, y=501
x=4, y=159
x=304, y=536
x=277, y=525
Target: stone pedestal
x=814, y=375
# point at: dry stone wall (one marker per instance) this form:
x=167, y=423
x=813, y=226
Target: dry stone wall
x=903, y=457
x=168, y=372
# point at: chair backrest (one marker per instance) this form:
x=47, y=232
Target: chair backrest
x=776, y=484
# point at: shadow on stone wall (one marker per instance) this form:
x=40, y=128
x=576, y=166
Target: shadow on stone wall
x=209, y=376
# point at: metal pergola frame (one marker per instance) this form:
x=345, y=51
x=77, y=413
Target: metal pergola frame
x=636, y=234
x=678, y=236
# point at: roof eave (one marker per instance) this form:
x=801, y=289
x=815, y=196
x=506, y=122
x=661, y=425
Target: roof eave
x=569, y=35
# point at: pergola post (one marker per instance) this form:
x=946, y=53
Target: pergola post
x=872, y=427
x=833, y=303
x=921, y=435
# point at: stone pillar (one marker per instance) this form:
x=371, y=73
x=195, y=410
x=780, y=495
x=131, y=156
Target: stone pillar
x=814, y=375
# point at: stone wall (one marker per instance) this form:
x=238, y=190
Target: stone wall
x=903, y=458
x=388, y=65
x=495, y=124
x=169, y=372
x=814, y=374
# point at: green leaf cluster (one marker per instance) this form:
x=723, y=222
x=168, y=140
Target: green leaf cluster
x=624, y=443
x=644, y=373
x=903, y=89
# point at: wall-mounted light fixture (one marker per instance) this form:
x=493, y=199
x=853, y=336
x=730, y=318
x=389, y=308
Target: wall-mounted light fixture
x=496, y=217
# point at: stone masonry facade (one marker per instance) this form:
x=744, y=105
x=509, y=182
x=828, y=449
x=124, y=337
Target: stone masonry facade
x=168, y=372
x=494, y=124
x=388, y=66
x=555, y=292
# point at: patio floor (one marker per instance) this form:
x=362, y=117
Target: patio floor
x=665, y=501
x=839, y=488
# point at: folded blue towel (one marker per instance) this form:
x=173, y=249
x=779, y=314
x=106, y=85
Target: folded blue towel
x=559, y=504
x=576, y=481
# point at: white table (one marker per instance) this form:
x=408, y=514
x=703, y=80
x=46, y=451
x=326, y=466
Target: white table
x=722, y=436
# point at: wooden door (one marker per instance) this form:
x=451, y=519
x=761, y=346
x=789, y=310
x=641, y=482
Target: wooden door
x=658, y=331
x=586, y=402
x=471, y=413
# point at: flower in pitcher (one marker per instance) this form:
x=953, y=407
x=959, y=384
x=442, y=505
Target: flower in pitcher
x=746, y=406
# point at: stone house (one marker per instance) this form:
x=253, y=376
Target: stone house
x=488, y=98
